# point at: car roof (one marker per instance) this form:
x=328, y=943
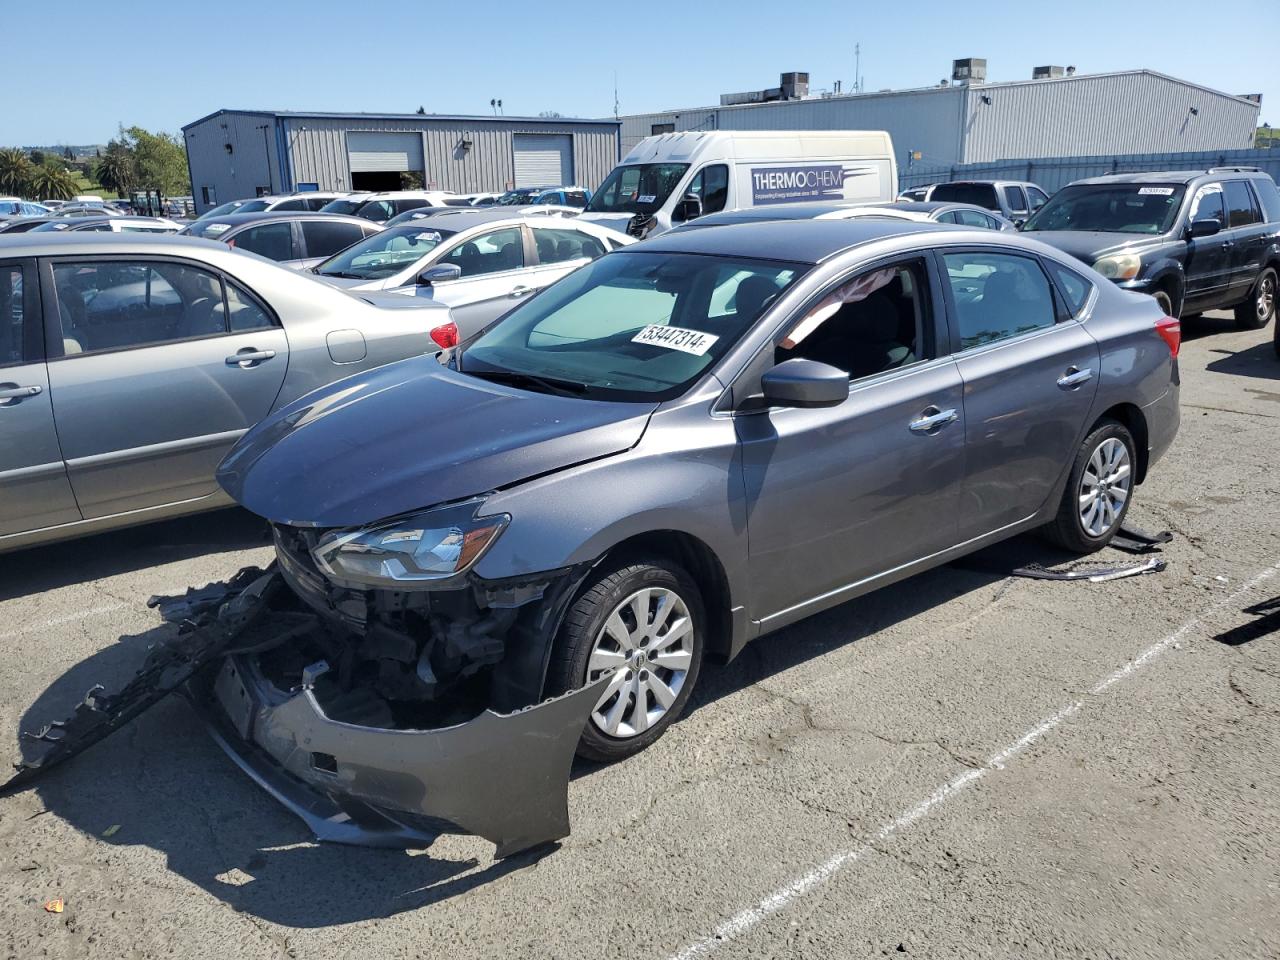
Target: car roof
x=460, y=218
x=1162, y=176
x=798, y=241
x=263, y=216
x=92, y=244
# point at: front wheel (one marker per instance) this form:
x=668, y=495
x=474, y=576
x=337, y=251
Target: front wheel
x=643, y=621
x=1098, y=491
x=1165, y=301
x=1256, y=312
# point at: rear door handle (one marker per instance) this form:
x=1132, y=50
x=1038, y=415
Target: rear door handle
x=245, y=357
x=521, y=291
x=1074, y=377
x=20, y=393
x=933, y=420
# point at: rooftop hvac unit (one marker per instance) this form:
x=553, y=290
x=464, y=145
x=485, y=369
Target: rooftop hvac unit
x=795, y=86
x=1046, y=73
x=969, y=70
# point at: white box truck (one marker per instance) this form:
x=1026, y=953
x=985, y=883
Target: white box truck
x=674, y=177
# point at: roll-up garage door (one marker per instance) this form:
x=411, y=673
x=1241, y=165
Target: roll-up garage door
x=378, y=152
x=543, y=160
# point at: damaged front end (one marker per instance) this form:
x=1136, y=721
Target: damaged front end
x=378, y=717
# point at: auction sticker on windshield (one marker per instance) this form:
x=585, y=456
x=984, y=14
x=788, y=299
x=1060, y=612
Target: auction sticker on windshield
x=676, y=338
x=1155, y=191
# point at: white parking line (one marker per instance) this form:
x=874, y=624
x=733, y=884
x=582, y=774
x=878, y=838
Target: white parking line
x=69, y=618
x=741, y=922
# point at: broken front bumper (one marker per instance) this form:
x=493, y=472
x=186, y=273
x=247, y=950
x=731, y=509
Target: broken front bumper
x=503, y=777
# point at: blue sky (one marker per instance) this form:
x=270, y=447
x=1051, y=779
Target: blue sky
x=452, y=58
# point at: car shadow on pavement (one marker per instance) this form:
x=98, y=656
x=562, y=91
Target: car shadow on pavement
x=165, y=785
x=37, y=569
x=1259, y=361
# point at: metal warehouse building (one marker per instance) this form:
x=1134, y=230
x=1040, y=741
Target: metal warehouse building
x=965, y=120
x=234, y=154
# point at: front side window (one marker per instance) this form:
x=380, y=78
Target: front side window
x=559, y=246
x=711, y=186
x=253, y=206
x=1241, y=211
x=342, y=206
x=271, y=240
x=1037, y=197
x=997, y=296
x=410, y=203
x=116, y=305
x=324, y=238
x=866, y=325
x=383, y=254
x=296, y=204
x=637, y=188
x=1111, y=208
x=1208, y=204
x=633, y=326
x=488, y=253
x=11, y=314
x=379, y=211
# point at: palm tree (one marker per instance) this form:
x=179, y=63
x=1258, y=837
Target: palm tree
x=116, y=170
x=15, y=171
x=49, y=183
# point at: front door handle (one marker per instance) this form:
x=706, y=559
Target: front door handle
x=521, y=291
x=20, y=393
x=246, y=358
x=933, y=420
x=1074, y=377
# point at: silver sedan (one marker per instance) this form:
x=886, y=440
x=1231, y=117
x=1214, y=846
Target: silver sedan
x=130, y=364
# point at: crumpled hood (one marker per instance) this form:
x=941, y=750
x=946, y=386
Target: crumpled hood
x=1087, y=246
x=411, y=435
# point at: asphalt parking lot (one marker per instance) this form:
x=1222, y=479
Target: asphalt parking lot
x=965, y=764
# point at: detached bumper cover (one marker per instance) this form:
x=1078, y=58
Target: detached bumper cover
x=503, y=777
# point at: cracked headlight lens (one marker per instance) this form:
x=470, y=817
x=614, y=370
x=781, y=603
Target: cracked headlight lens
x=416, y=549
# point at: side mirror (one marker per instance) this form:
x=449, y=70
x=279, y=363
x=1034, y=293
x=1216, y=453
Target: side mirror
x=1020, y=222
x=690, y=208
x=805, y=383
x=439, y=273
x=1205, y=228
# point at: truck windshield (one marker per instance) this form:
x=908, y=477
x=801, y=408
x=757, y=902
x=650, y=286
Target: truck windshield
x=639, y=188
x=1111, y=208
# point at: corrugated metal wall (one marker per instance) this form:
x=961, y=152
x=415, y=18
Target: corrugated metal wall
x=1126, y=113
x=252, y=163
x=1053, y=173
x=318, y=149
x=924, y=120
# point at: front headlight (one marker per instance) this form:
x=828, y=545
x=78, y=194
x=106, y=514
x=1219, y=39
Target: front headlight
x=409, y=552
x=1119, y=266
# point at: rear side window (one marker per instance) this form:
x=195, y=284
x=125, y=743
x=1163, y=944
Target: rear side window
x=997, y=296
x=10, y=314
x=298, y=204
x=979, y=194
x=271, y=240
x=972, y=218
x=1016, y=198
x=324, y=238
x=1266, y=190
x=1074, y=288
x=244, y=312
x=413, y=203
x=1241, y=211
x=560, y=246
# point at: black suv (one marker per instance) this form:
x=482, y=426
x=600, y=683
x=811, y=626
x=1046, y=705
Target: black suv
x=1194, y=240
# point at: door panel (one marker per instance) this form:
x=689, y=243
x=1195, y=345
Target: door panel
x=837, y=495
x=494, y=278
x=34, y=490
x=1208, y=265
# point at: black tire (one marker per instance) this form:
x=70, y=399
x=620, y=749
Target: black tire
x=1165, y=301
x=1260, y=309
x=599, y=597
x=1276, y=341
x=1067, y=529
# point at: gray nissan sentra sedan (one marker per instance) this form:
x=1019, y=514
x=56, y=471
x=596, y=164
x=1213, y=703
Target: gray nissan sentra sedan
x=678, y=448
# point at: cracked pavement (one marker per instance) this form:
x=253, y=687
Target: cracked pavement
x=1144, y=824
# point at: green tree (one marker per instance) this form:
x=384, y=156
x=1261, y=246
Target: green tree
x=49, y=183
x=37, y=157
x=15, y=171
x=160, y=161
x=116, y=170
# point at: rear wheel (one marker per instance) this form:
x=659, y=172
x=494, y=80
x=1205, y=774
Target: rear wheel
x=644, y=622
x=1098, y=491
x=1259, y=310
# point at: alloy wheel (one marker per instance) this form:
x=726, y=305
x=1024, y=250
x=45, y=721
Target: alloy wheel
x=1265, y=302
x=647, y=641
x=1104, y=487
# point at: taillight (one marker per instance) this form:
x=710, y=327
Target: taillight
x=446, y=335
x=1170, y=330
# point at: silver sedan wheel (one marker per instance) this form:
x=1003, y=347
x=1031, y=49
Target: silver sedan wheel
x=1104, y=487
x=647, y=641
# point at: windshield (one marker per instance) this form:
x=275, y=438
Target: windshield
x=253, y=206
x=342, y=206
x=979, y=194
x=628, y=326
x=209, y=227
x=223, y=210
x=383, y=254
x=516, y=198
x=1111, y=208
x=640, y=188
